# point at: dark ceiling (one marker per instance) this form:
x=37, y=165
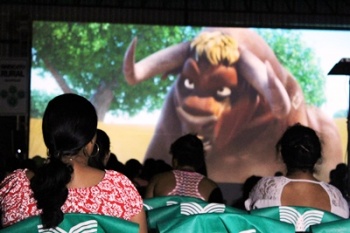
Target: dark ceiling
x=333, y=14
x=271, y=6
x=317, y=7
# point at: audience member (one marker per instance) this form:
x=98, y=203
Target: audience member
x=114, y=164
x=66, y=183
x=38, y=161
x=133, y=168
x=101, y=158
x=184, y=180
x=300, y=148
x=246, y=189
x=150, y=168
x=28, y=164
x=339, y=178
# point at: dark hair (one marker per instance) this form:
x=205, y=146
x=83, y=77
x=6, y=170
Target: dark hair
x=152, y=167
x=188, y=150
x=103, y=142
x=300, y=148
x=114, y=164
x=69, y=123
x=133, y=168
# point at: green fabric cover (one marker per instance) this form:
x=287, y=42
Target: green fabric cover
x=301, y=217
x=159, y=209
x=75, y=223
x=223, y=223
x=340, y=226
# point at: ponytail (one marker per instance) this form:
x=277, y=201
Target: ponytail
x=50, y=191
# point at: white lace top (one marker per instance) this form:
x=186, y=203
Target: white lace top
x=267, y=192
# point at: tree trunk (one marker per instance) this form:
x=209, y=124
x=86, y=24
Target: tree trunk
x=102, y=100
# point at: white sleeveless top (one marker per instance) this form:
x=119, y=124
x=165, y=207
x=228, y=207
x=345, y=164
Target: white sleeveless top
x=267, y=192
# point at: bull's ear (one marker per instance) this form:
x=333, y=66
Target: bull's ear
x=261, y=76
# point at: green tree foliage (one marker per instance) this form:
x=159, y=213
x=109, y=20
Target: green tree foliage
x=300, y=60
x=39, y=102
x=86, y=58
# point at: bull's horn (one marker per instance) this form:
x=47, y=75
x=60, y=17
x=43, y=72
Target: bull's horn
x=262, y=77
x=160, y=62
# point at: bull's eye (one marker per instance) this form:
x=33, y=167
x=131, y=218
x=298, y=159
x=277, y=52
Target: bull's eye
x=189, y=84
x=223, y=92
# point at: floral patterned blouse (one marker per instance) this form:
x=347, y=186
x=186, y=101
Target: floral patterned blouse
x=114, y=195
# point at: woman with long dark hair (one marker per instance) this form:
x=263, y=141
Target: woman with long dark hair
x=66, y=183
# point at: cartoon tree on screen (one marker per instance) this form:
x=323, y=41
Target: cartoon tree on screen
x=300, y=60
x=86, y=58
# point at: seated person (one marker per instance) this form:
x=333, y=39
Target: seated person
x=102, y=156
x=184, y=179
x=300, y=148
x=66, y=184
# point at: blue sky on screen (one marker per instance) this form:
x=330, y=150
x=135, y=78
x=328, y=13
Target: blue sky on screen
x=330, y=47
